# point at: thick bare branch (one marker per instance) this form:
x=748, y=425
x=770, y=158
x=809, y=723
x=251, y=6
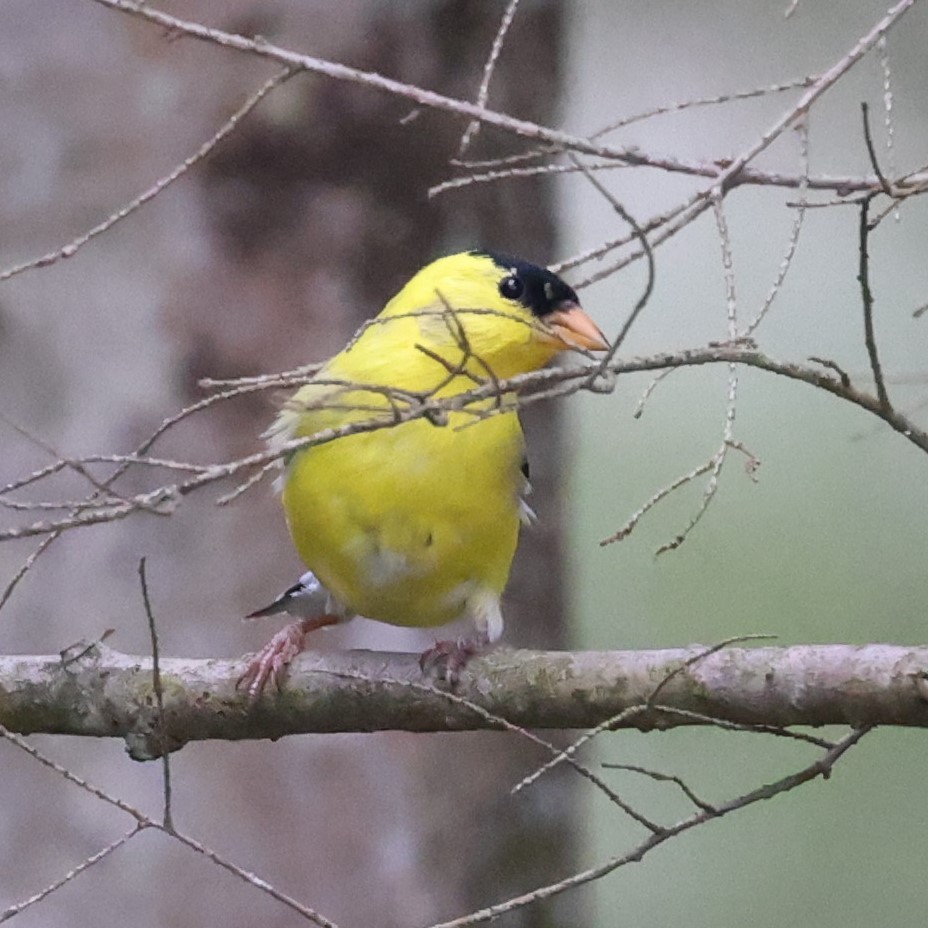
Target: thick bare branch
x=103, y=693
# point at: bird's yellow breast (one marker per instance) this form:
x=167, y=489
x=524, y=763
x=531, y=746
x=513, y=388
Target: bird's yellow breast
x=403, y=524
x=416, y=523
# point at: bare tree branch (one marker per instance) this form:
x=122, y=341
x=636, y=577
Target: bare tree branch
x=726, y=173
x=69, y=250
x=103, y=693
x=532, y=387
x=821, y=767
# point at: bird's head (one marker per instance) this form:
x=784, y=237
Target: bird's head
x=504, y=313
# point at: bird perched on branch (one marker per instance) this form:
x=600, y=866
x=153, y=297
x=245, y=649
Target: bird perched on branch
x=407, y=508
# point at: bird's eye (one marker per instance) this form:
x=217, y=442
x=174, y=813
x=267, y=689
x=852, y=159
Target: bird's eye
x=511, y=287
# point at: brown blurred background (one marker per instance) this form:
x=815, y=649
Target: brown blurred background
x=266, y=256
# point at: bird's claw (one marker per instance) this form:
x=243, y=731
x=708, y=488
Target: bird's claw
x=272, y=661
x=446, y=659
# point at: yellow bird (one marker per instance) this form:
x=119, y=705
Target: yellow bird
x=414, y=521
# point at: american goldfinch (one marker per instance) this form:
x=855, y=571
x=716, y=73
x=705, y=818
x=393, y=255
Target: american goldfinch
x=415, y=521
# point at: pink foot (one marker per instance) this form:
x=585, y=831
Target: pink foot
x=272, y=661
x=446, y=659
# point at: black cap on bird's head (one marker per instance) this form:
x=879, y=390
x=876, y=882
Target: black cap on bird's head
x=549, y=299
x=536, y=288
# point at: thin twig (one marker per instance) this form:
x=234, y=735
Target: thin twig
x=871, y=152
x=71, y=777
x=541, y=170
x=648, y=390
x=505, y=724
x=649, y=504
x=796, y=84
x=683, y=216
x=863, y=276
x=648, y=705
x=663, y=778
x=882, y=49
x=737, y=171
x=76, y=466
x=473, y=127
x=252, y=879
x=83, y=866
x=166, y=819
x=717, y=462
x=819, y=768
x=144, y=822
x=69, y=250
x=802, y=131
x=599, y=251
x=833, y=366
x=530, y=388
x=24, y=568
x=642, y=237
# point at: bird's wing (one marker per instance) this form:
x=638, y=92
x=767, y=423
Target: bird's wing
x=318, y=406
x=527, y=515
x=305, y=599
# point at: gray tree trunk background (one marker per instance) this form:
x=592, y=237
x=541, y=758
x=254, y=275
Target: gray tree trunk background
x=265, y=257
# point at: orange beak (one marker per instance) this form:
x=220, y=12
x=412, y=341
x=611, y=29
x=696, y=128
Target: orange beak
x=571, y=327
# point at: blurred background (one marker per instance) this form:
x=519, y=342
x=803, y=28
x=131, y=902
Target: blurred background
x=269, y=254
x=829, y=544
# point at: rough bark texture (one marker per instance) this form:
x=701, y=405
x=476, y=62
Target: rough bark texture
x=102, y=693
